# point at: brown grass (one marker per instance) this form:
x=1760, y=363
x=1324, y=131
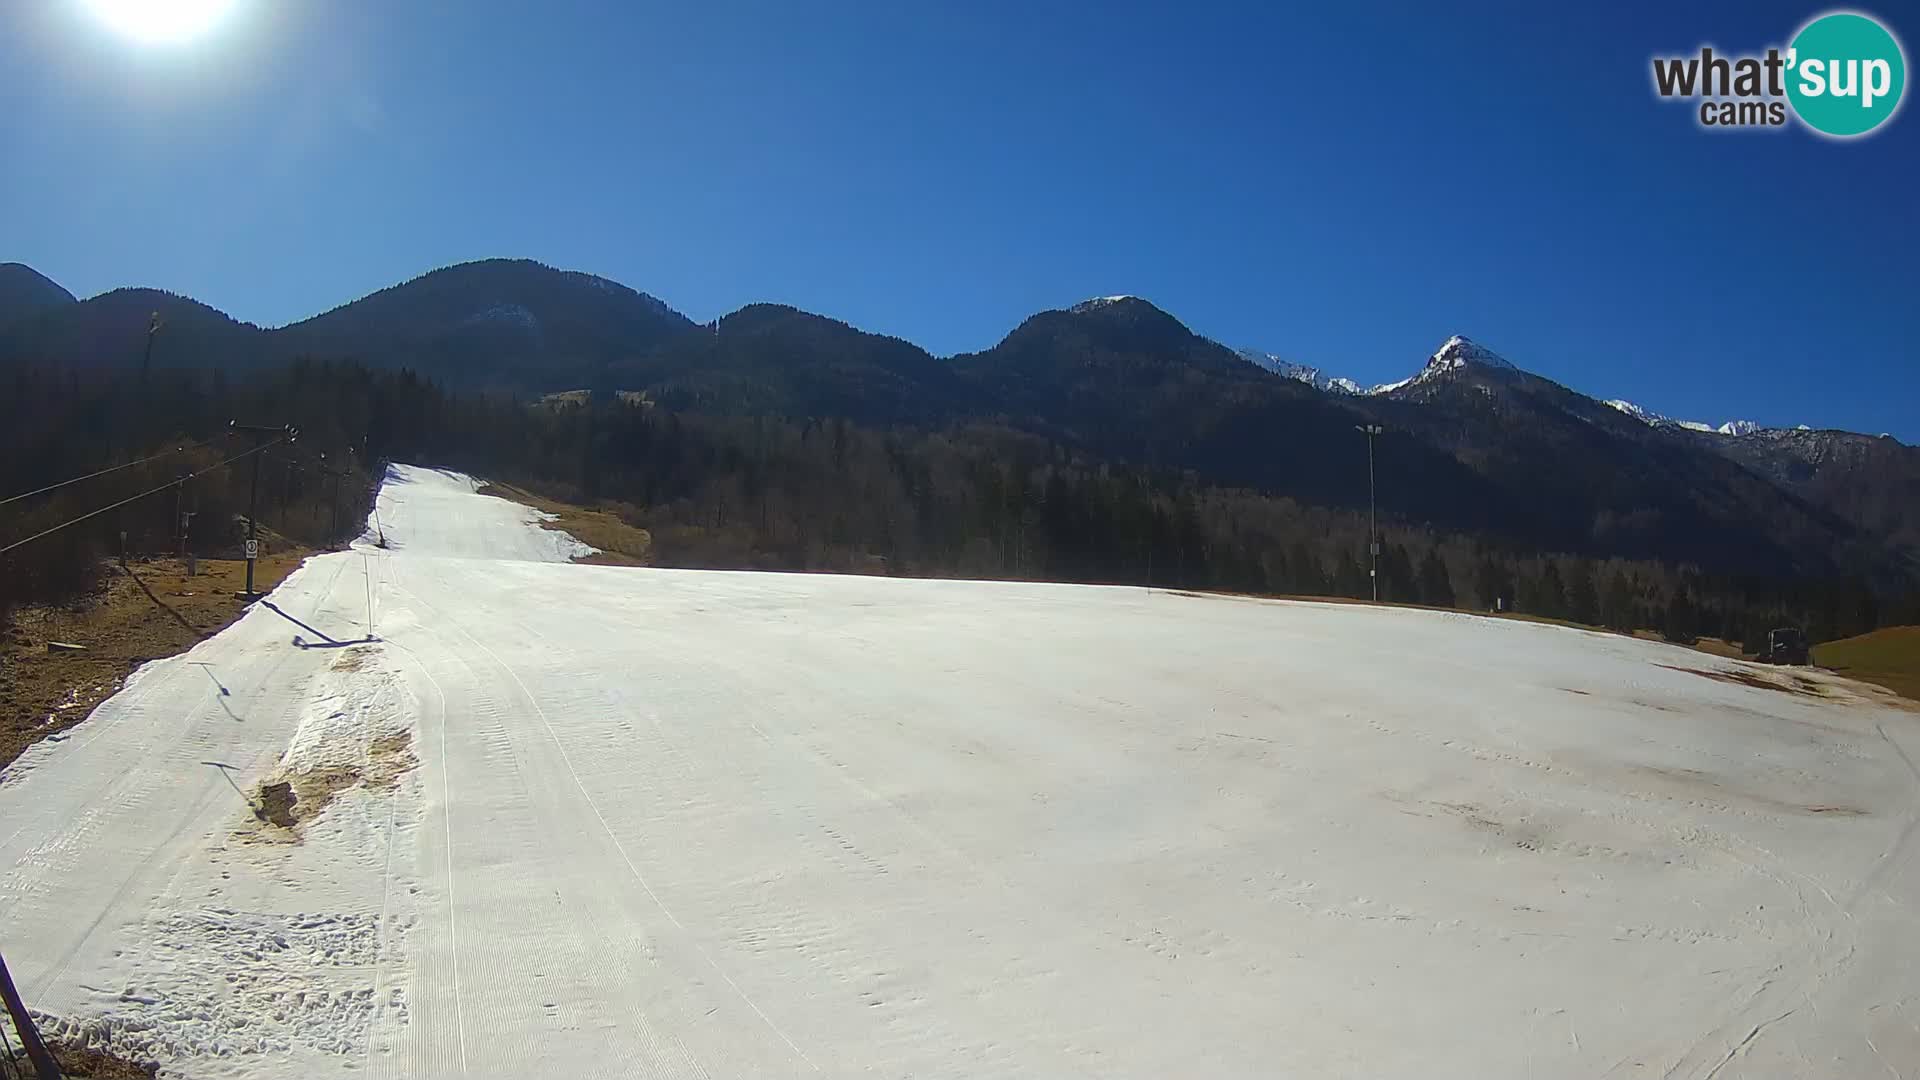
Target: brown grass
x=1785, y=682
x=80, y=1063
x=621, y=543
x=1888, y=657
x=1708, y=645
x=147, y=610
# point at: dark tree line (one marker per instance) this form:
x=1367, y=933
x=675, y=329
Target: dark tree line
x=989, y=501
x=970, y=500
x=314, y=490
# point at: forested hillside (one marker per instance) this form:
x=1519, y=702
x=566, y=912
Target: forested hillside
x=1478, y=448
x=1104, y=442
x=971, y=499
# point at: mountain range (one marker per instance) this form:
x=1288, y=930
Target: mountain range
x=1472, y=442
x=1458, y=351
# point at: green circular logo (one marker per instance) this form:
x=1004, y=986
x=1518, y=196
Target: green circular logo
x=1845, y=74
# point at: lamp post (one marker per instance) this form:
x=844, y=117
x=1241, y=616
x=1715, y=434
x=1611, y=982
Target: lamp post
x=1373, y=537
x=154, y=324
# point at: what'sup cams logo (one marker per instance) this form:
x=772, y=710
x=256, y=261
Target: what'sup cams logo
x=1843, y=75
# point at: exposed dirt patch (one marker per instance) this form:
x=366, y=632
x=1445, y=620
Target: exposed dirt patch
x=607, y=527
x=1582, y=693
x=1713, y=646
x=388, y=759
x=353, y=659
x=1786, y=682
x=80, y=1063
x=276, y=804
x=148, y=609
x=290, y=802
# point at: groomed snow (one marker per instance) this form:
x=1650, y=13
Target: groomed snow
x=683, y=823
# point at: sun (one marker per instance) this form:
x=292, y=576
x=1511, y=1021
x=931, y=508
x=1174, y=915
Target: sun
x=159, y=21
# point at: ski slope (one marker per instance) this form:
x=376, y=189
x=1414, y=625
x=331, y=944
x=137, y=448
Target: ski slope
x=611, y=822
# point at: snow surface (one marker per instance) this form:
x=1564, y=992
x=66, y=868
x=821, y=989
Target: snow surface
x=439, y=506
x=690, y=823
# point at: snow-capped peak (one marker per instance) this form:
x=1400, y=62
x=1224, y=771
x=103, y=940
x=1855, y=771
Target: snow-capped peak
x=1638, y=413
x=1459, y=352
x=1654, y=419
x=1287, y=369
x=1099, y=302
x=1454, y=353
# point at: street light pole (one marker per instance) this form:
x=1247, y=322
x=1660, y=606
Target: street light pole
x=333, y=528
x=1373, y=535
x=146, y=359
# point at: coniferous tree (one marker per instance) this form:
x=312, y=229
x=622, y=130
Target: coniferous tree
x=1436, y=586
x=1551, y=595
x=1583, y=599
x=1397, y=582
x=1492, y=583
x=1616, y=602
x=1678, y=623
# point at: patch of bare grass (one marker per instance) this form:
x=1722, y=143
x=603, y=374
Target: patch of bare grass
x=608, y=526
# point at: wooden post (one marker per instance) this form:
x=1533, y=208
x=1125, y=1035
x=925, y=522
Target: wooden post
x=23, y=1025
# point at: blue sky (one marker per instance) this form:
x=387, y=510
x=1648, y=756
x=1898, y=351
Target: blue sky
x=1344, y=186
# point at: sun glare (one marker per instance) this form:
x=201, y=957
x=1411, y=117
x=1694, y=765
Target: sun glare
x=159, y=21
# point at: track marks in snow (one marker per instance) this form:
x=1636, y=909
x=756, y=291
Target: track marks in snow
x=1185, y=838
x=574, y=798
x=428, y=967
x=289, y=982
x=627, y=859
